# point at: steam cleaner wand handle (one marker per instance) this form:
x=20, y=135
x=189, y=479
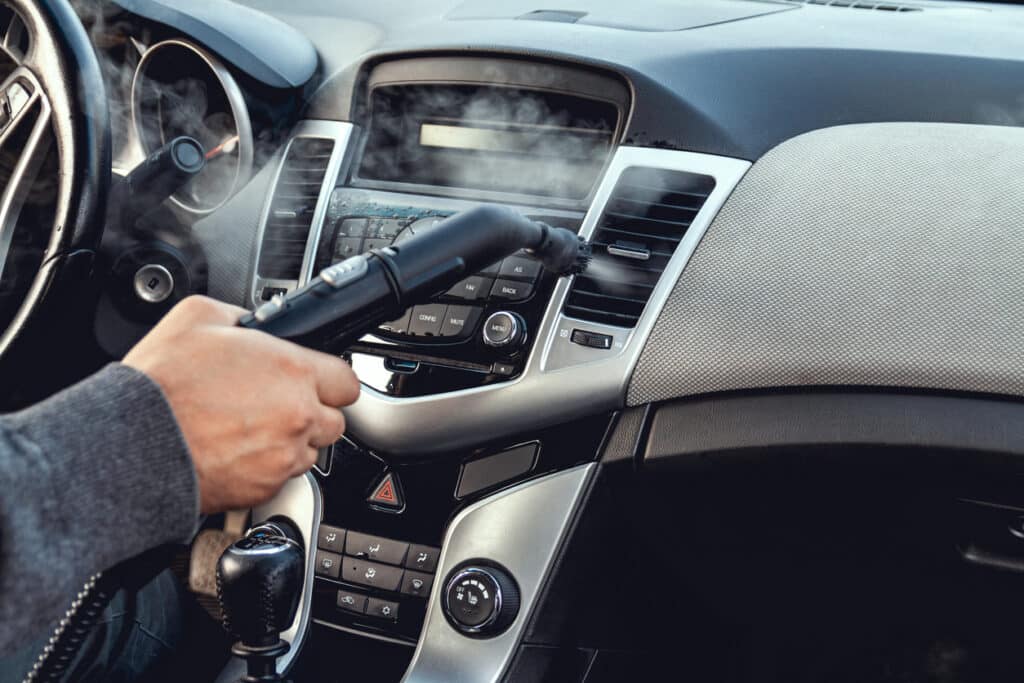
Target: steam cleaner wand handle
x=353, y=297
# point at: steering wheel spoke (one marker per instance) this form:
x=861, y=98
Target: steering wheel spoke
x=54, y=155
x=24, y=141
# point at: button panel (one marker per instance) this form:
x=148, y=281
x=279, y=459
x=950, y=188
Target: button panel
x=328, y=564
x=331, y=538
x=371, y=574
x=373, y=577
x=417, y=583
x=384, y=609
x=376, y=549
x=510, y=290
x=427, y=320
x=352, y=602
x=422, y=558
x=511, y=279
x=440, y=338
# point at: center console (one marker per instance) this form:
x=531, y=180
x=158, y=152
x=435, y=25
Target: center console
x=432, y=525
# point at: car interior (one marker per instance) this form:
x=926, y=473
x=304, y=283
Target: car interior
x=768, y=428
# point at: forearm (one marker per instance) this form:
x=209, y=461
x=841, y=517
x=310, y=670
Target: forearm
x=90, y=477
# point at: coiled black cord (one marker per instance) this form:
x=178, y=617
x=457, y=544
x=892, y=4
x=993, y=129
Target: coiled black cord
x=86, y=609
x=73, y=629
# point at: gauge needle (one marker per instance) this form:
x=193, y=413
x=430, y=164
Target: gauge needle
x=225, y=147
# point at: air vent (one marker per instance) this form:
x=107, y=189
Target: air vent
x=853, y=4
x=292, y=207
x=645, y=220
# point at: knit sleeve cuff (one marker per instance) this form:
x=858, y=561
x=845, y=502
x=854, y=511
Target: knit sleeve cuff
x=118, y=462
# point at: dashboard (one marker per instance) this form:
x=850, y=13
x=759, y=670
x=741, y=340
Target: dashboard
x=781, y=196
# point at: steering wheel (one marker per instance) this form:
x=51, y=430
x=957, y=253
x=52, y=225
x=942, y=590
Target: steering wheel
x=54, y=153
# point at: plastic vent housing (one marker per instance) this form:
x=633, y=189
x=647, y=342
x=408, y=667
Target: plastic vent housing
x=292, y=208
x=646, y=217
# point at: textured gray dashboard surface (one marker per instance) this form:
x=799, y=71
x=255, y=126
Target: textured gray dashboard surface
x=871, y=255
x=228, y=236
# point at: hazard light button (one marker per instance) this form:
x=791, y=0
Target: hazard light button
x=387, y=494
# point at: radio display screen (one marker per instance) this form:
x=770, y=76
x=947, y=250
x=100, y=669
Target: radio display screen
x=494, y=139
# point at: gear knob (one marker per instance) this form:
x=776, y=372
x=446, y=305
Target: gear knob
x=259, y=583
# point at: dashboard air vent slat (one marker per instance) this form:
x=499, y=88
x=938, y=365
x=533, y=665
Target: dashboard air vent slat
x=646, y=218
x=292, y=207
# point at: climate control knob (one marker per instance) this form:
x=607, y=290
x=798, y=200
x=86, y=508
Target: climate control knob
x=480, y=600
x=504, y=330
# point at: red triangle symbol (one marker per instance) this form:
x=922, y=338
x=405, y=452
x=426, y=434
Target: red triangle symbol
x=385, y=492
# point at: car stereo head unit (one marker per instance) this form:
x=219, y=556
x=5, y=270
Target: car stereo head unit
x=478, y=332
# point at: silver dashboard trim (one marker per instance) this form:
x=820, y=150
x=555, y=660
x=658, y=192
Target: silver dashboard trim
x=582, y=380
x=520, y=529
x=299, y=501
x=341, y=133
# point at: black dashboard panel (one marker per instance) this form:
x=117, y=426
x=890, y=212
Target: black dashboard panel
x=735, y=80
x=736, y=88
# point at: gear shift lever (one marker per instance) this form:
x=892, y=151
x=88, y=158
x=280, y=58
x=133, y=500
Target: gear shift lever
x=259, y=582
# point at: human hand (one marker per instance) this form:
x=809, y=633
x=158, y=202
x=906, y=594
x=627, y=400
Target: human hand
x=253, y=409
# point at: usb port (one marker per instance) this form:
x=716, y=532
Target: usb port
x=405, y=367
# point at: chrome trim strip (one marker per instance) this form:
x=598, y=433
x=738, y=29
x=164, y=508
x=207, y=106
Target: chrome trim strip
x=520, y=529
x=300, y=502
x=582, y=380
x=341, y=133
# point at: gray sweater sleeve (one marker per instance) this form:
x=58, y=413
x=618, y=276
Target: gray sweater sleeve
x=92, y=476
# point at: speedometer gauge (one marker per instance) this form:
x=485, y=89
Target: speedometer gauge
x=180, y=89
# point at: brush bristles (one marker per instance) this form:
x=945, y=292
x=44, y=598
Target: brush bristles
x=583, y=257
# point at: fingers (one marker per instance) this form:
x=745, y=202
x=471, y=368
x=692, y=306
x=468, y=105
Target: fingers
x=305, y=461
x=327, y=428
x=203, y=309
x=336, y=383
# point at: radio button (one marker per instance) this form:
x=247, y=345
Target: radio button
x=390, y=229
x=460, y=321
x=347, y=247
x=472, y=288
x=520, y=266
x=511, y=290
x=376, y=243
x=427, y=320
x=352, y=227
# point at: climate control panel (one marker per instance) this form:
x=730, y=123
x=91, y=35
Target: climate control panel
x=372, y=583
